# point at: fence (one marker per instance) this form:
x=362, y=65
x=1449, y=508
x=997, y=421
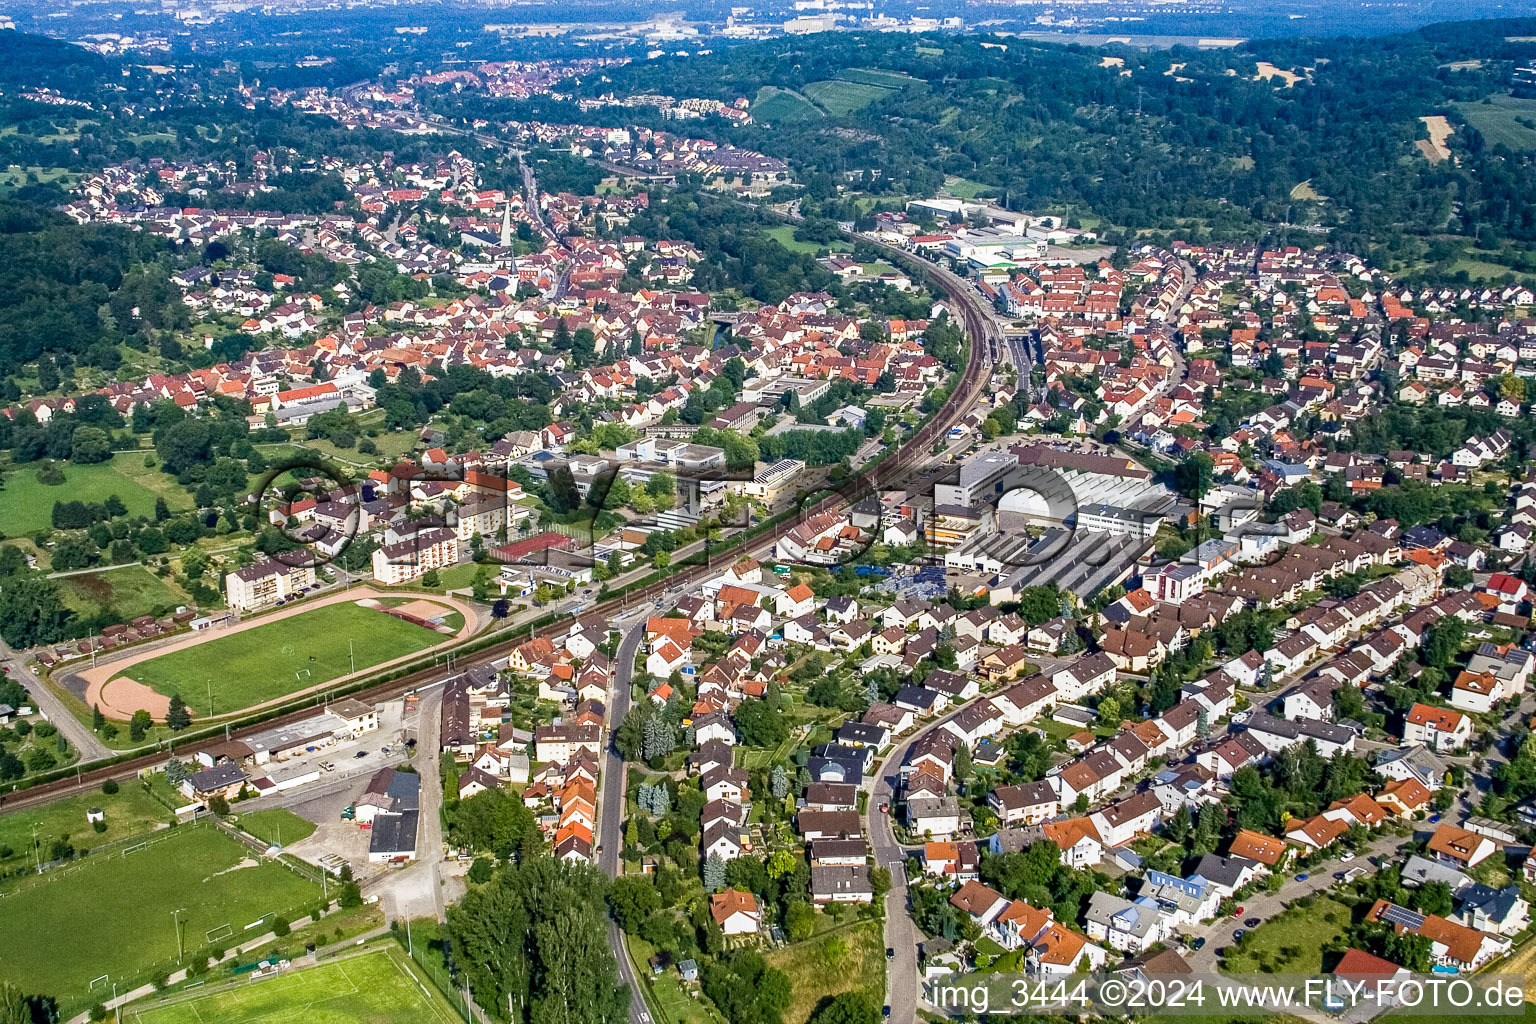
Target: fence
x=428, y=962
x=50, y=871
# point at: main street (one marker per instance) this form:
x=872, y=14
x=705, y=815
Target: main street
x=610, y=800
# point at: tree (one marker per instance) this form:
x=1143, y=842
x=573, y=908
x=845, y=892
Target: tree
x=89, y=445
x=32, y=612
x=1444, y=641
x=629, y=738
x=218, y=805
x=962, y=762
x=799, y=921
x=632, y=899
x=535, y=938
x=660, y=739
x=1109, y=711
x=177, y=717
x=500, y=609
x=430, y=578
x=139, y=725
x=848, y=1008
x=760, y=725
x=1193, y=476
x=481, y=870
x=714, y=873
x=97, y=718
x=778, y=782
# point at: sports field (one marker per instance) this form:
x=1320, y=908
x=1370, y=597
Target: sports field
x=281, y=657
x=130, y=812
x=112, y=913
x=379, y=987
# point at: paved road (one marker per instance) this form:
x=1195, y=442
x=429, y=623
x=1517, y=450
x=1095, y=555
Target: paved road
x=610, y=804
x=52, y=707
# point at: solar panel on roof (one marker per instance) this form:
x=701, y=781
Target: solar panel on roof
x=1396, y=915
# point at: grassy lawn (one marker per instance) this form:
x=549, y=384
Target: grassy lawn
x=128, y=593
x=839, y=98
x=130, y=811
x=812, y=977
x=667, y=991
x=774, y=105
x=280, y=657
x=1499, y=121
x=1292, y=942
x=784, y=234
x=26, y=505
x=964, y=188
x=379, y=987
x=113, y=913
x=276, y=824
x=459, y=577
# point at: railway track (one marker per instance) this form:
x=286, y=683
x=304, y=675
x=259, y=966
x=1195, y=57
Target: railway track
x=909, y=460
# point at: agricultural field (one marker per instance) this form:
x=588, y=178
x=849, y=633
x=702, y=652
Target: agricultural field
x=1499, y=121
x=130, y=812
x=840, y=98
x=777, y=105
x=846, y=960
x=378, y=987
x=113, y=911
x=125, y=593
x=273, y=660
x=27, y=505
x=876, y=76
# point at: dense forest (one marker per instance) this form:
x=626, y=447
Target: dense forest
x=1165, y=139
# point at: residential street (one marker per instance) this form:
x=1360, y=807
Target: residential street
x=610, y=804
x=52, y=707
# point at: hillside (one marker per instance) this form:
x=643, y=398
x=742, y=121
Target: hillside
x=1180, y=140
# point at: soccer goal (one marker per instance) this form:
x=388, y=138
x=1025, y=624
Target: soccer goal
x=103, y=980
x=223, y=931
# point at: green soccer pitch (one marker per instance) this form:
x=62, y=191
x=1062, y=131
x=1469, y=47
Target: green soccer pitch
x=282, y=657
x=112, y=913
x=378, y=987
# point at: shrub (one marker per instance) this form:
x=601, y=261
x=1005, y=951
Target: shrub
x=109, y=787
x=280, y=926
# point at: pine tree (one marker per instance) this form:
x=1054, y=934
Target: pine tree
x=660, y=738
x=162, y=510
x=1202, y=724
x=97, y=718
x=778, y=782
x=177, y=717
x=714, y=873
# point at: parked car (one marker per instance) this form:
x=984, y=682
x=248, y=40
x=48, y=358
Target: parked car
x=1252, y=922
x=1238, y=912
x=1349, y=855
x=1198, y=944
x=1239, y=933
x=361, y=753
x=1303, y=877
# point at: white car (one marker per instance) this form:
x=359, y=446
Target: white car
x=1348, y=856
